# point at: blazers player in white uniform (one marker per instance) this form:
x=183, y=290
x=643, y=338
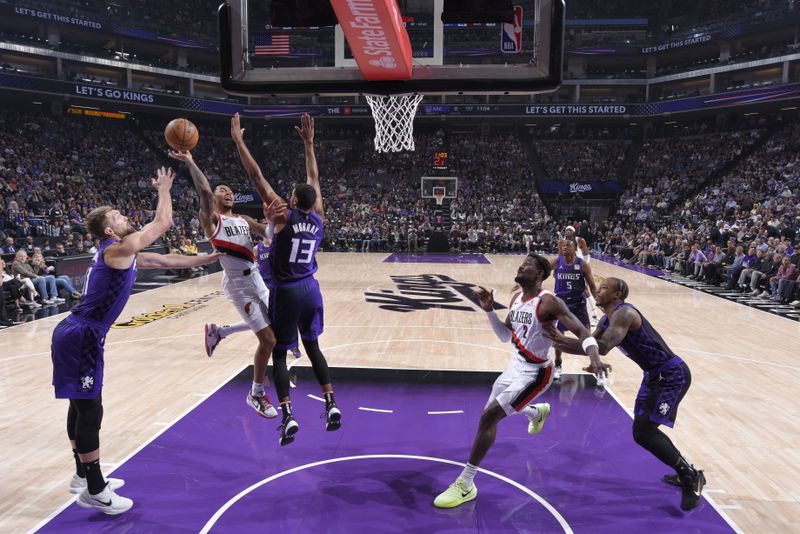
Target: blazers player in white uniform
x=241, y=282
x=530, y=371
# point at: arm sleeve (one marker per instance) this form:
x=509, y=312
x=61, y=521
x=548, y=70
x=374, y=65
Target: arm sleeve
x=500, y=329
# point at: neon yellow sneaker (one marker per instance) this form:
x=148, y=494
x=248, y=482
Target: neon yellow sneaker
x=457, y=494
x=535, y=426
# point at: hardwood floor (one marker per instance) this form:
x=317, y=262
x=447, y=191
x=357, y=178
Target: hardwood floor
x=735, y=423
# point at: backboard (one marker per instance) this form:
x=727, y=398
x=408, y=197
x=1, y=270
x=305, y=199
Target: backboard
x=258, y=59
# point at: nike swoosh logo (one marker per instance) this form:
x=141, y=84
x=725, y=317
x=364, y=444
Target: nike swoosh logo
x=104, y=503
x=465, y=494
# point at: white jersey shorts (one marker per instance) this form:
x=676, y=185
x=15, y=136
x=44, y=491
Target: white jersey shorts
x=520, y=384
x=250, y=296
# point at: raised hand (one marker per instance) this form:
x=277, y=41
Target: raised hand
x=237, y=132
x=181, y=155
x=164, y=178
x=485, y=298
x=275, y=210
x=306, y=128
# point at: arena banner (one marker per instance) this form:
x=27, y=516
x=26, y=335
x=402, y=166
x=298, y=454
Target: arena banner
x=99, y=24
x=124, y=98
x=585, y=189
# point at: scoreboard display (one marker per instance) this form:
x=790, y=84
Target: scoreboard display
x=440, y=161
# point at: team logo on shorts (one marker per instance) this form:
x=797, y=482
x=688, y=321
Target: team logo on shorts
x=663, y=408
x=87, y=382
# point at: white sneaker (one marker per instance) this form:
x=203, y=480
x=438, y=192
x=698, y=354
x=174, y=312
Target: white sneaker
x=106, y=501
x=557, y=373
x=78, y=484
x=212, y=338
x=58, y=300
x=262, y=405
x=31, y=304
x=48, y=302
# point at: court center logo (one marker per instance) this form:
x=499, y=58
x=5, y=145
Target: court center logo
x=168, y=310
x=425, y=292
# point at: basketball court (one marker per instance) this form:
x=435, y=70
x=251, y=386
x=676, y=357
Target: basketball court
x=413, y=360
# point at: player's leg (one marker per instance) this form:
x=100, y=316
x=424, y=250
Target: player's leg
x=311, y=324
x=99, y=493
x=656, y=404
x=214, y=334
x=464, y=488
x=285, y=307
x=259, y=321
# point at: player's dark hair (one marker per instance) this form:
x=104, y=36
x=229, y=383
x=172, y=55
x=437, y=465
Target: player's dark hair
x=216, y=184
x=544, y=265
x=622, y=288
x=306, y=196
x=574, y=243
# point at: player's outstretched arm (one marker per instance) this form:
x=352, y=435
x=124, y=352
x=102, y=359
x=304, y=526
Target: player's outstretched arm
x=207, y=216
x=552, y=306
x=261, y=184
x=151, y=260
x=306, y=133
x=133, y=243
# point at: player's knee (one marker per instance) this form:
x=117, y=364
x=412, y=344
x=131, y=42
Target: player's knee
x=266, y=339
x=87, y=425
x=643, y=430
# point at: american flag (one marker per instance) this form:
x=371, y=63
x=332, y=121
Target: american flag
x=272, y=45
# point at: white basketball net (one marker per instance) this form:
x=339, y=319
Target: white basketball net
x=394, y=121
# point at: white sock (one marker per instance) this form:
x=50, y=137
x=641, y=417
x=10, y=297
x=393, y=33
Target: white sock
x=468, y=474
x=228, y=329
x=531, y=412
x=257, y=390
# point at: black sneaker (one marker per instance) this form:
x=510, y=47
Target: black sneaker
x=333, y=417
x=288, y=428
x=692, y=487
x=673, y=480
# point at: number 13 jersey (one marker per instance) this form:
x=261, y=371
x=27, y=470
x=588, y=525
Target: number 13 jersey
x=527, y=333
x=295, y=249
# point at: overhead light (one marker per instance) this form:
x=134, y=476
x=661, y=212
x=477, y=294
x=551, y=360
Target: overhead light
x=751, y=113
x=671, y=122
x=789, y=108
x=37, y=103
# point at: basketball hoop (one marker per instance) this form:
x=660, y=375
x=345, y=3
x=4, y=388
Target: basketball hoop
x=394, y=121
x=438, y=194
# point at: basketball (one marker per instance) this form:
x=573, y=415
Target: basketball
x=181, y=134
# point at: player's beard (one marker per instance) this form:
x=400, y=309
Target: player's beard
x=128, y=230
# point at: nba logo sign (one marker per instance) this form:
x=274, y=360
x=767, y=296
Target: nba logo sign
x=511, y=35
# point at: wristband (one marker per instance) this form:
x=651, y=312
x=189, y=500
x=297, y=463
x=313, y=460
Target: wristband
x=589, y=342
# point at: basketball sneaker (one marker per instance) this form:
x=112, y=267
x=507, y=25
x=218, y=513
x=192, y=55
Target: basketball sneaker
x=106, y=501
x=333, y=417
x=557, y=372
x=673, y=480
x=457, y=494
x=78, y=484
x=288, y=428
x=262, y=405
x=296, y=352
x=212, y=338
x=535, y=425
x=691, y=488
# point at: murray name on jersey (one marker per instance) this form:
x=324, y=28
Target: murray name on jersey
x=300, y=227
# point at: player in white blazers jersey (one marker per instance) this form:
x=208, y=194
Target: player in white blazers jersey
x=241, y=283
x=530, y=371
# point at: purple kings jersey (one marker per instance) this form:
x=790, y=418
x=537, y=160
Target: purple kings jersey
x=264, y=257
x=105, y=291
x=644, y=346
x=570, y=280
x=295, y=247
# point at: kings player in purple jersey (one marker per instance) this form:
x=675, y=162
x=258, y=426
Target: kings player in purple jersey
x=297, y=301
x=78, y=341
x=666, y=380
x=573, y=277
